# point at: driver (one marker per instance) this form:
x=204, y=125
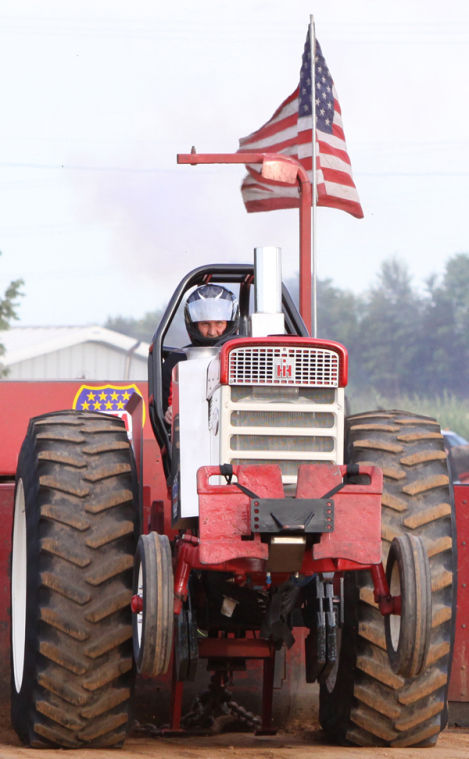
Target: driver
x=211, y=314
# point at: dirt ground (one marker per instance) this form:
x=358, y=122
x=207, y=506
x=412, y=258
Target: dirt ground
x=453, y=743
x=301, y=740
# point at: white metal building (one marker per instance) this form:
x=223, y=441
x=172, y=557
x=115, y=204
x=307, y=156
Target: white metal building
x=92, y=353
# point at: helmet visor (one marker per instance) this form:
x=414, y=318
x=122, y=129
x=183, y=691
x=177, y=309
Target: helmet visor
x=210, y=309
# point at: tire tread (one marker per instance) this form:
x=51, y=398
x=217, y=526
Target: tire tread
x=80, y=490
x=378, y=707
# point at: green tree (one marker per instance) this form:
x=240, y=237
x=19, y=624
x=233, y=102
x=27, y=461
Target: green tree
x=444, y=344
x=338, y=311
x=8, y=306
x=389, y=331
x=142, y=328
x=339, y=315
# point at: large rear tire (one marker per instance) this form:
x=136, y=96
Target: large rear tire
x=74, y=536
x=365, y=702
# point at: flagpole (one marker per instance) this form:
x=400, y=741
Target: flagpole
x=312, y=41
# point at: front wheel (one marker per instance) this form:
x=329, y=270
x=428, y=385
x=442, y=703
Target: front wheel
x=408, y=633
x=153, y=617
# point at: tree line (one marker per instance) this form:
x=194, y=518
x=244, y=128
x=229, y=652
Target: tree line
x=401, y=340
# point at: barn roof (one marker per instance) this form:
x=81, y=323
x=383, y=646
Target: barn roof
x=23, y=343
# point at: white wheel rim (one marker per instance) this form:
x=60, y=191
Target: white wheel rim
x=18, y=587
x=139, y=615
x=395, y=619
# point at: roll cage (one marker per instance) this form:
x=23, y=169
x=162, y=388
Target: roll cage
x=240, y=274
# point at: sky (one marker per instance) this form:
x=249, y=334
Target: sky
x=99, y=96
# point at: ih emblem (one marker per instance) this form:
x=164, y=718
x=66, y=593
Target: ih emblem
x=284, y=368
x=108, y=399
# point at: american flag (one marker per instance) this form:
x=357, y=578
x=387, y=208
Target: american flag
x=290, y=131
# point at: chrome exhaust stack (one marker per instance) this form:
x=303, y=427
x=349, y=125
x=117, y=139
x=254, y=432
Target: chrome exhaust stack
x=267, y=318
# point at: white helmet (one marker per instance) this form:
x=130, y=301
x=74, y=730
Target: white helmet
x=211, y=303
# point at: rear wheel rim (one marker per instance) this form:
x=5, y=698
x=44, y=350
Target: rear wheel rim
x=18, y=587
x=395, y=619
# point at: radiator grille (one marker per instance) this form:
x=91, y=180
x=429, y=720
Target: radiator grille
x=283, y=365
x=247, y=418
x=287, y=426
x=282, y=394
x=296, y=443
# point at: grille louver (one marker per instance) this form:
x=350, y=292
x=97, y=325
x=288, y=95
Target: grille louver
x=283, y=365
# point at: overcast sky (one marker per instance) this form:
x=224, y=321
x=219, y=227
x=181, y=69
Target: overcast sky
x=98, y=96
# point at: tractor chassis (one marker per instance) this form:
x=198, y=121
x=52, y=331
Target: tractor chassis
x=236, y=523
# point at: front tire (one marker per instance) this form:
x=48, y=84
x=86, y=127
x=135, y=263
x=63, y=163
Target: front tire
x=72, y=555
x=366, y=703
x=408, y=633
x=154, y=586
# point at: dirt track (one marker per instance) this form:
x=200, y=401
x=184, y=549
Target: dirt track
x=452, y=744
x=303, y=740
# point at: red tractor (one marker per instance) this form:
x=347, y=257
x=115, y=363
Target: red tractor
x=277, y=515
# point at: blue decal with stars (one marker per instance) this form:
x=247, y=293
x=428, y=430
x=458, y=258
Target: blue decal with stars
x=109, y=399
